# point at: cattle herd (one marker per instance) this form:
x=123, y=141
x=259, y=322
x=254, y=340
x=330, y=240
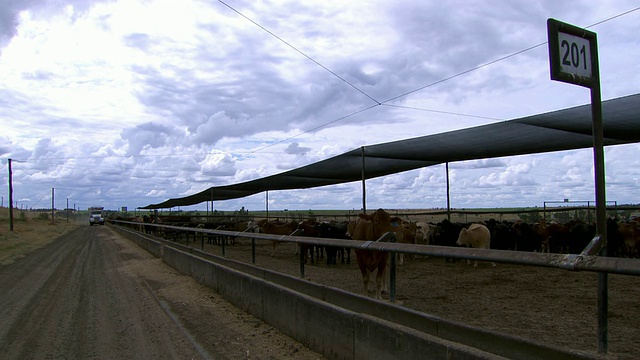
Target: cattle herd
x=568, y=238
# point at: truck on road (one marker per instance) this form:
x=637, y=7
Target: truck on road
x=96, y=215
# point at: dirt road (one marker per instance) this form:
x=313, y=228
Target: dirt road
x=94, y=295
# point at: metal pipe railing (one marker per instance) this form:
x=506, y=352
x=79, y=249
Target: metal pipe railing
x=574, y=262
x=587, y=260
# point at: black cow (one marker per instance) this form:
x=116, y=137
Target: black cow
x=445, y=233
x=334, y=230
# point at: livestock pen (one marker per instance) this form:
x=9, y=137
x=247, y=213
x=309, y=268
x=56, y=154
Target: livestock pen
x=546, y=305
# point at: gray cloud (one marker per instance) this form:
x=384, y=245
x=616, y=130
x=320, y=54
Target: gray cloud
x=9, y=10
x=173, y=112
x=296, y=149
x=148, y=135
x=479, y=164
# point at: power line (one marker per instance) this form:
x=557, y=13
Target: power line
x=499, y=59
x=613, y=17
x=401, y=95
x=300, y=52
x=443, y=112
x=378, y=103
x=464, y=72
x=431, y=84
x=315, y=128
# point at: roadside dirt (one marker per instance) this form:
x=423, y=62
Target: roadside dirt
x=29, y=234
x=94, y=295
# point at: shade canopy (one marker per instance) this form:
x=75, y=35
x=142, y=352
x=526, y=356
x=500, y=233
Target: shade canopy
x=565, y=129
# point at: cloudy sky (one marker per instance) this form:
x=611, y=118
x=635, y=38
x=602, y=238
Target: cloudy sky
x=130, y=103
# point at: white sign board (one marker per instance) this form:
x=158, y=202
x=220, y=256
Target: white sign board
x=575, y=54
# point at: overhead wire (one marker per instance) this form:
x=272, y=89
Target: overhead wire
x=385, y=102
x=613, y=17
x=463, y=72
x=443, y=112
x=300, y=52
x=377, y=103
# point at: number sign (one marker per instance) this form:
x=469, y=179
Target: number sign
x=575, y=55
x=572, y=53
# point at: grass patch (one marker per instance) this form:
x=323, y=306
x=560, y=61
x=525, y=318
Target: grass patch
x=31, y=231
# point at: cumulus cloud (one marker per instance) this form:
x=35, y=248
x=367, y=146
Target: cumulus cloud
x=147, y=135
x=296, y=149
x=479, y=164
x=141, y=101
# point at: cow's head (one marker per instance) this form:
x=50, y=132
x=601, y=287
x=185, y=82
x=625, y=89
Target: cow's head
x=378, y=217
x=380, y=221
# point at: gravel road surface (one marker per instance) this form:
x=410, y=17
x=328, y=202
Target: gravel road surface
x=91, y=294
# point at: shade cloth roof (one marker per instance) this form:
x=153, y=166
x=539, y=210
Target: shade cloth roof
x=565, y=129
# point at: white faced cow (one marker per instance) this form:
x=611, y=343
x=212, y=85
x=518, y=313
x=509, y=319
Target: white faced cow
x=477, y=236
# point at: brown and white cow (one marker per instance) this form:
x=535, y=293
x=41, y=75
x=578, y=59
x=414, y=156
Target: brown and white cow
x=372, y=227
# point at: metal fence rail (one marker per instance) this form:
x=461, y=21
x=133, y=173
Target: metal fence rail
x=576, y=262
x=585, y=261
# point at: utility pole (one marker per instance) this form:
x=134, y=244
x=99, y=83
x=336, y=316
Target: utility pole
x=10, y=198
x=53, y=207
x=446, y=166
x=364, y=183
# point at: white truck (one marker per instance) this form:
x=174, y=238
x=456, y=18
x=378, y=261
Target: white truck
x=96, y=215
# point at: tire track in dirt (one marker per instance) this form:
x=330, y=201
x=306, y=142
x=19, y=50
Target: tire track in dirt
x=81, y=306
x=91, y=294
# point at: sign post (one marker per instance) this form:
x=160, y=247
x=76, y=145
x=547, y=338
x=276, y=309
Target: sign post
x=573, y=58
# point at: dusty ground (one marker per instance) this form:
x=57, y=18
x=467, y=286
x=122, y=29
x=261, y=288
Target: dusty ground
x=553, y=306
x=93, y=295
